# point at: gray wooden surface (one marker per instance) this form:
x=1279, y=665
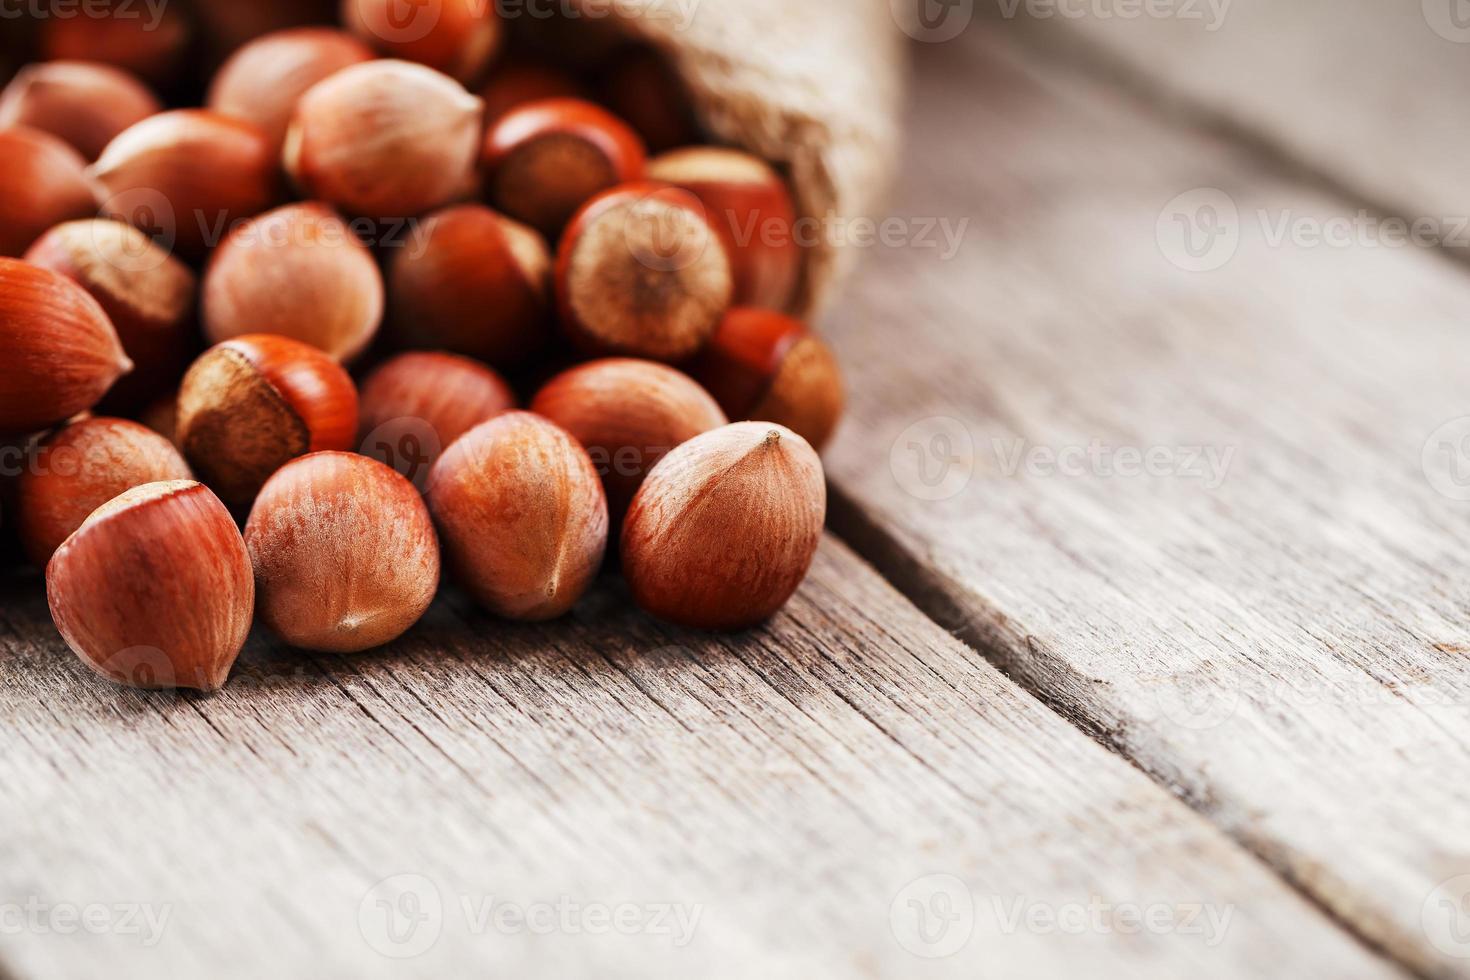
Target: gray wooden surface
x=1233, y=738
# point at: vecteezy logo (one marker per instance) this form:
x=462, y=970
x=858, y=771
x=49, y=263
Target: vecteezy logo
x=1446, y=459
x=152, y=214
x=933, y=916
x=409, y=445
x=932, y=21
x=1195, y=705
x=1445, y=917
x=401, y=916
x=934, y=458
x=1199, y=230
x=1450, y=19
x=405, y=21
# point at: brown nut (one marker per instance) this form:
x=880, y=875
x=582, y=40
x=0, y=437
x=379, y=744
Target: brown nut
x=155, y=590
x=250, y=405
x=81, y=467
x=417, y=404
x=184, y=176
x=150, y=41
x=83, y=103
x=640, y=86
x=725, y=527
x=43, y=182
x=147, y=294
x=385, y=139
x=766, y=366
x=474, y=282
x=457, y=37
x=750, y=206
x=61, y=352
x=516, y=81
x=522, y=516
x=544, y=160
x=641, y=273
x=263, y=80
x=344, y=552
x=628, y=414
x=302, y=271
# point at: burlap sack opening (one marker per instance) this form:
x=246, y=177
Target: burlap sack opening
x=814, y=86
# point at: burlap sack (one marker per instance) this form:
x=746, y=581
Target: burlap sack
x=812, y=85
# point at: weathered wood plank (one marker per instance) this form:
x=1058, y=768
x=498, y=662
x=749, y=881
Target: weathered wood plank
x=793, y=788
x=1282, y=642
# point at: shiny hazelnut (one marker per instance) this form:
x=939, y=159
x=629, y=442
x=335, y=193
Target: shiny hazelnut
x=640, y=86
x=250, y=405
x=301, y=270
x=263, y=80
x=79, y=468
x=521, y=514
x=148, y=40
x=147, y=294
x=416, y=404
x=725, y=527
x=640, y=272
x=750, y=206
x=61, y=352
x=628, y=414
x=155, y=589
x=82, y=103
x=43, y=182
x=185, y=176
x=516, y=81
x=457, y=37
x=344, y=552
x=544, y=160
x=385, y=139
x=474, y=282
x=766, y=366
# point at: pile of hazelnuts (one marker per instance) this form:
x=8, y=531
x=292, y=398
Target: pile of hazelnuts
x=473, y=290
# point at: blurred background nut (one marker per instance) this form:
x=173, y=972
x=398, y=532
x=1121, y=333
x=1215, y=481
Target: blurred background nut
x=344, y=553
x=262, y=81
x=43, y=182
x=251, y=404
x=83, y=103
x=61, y=352
x=641, y=273
x=767, y=366
x=149, y=296
x=457, y=37
x=473, y=282
x=521, y=514
x=148, y=40
x=210, y=170
x=81, y=467
x=517, y=81
x=641, y=87
x=544, y=160
x=415, y=405
x=300, y=270
x=228, y=24
x=385, y=139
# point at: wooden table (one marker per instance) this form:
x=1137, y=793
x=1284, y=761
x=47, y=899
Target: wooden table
x=1138, y=646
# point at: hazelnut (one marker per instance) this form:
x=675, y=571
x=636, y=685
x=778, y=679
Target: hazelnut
x=302, y=271
x=416, y=404
x=641, y=87
x=750, y=207
x=457, y=37
x=385, y=139
x=184, y=176
x=544, y=160
x=81, y=467
x=150, y=41
x=263, y=80
x=61, y=352
x=83, y=103
x=628, y=414
x=515, y=82
x=344, y=552
x=725, y=527
x=640, y=272
x=250, y=405
x=474, y=282
x=766, y=366
x=147, y=294
x=522, y=516
x=43, y=182
x=155, y=590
